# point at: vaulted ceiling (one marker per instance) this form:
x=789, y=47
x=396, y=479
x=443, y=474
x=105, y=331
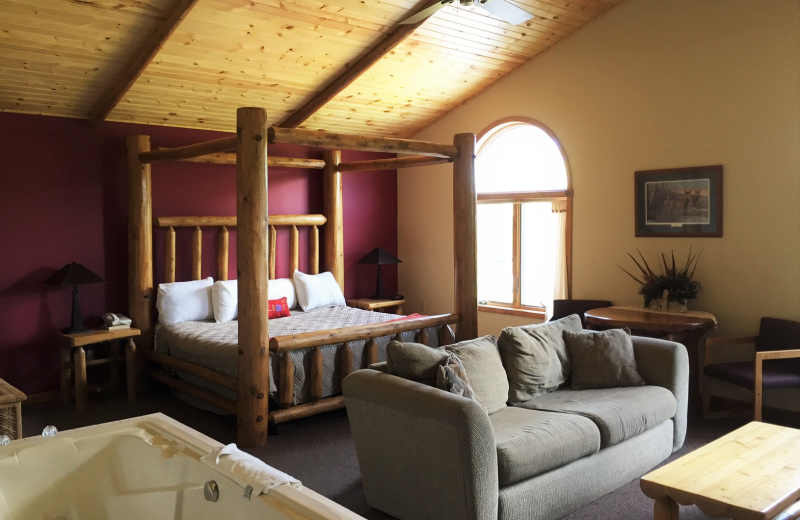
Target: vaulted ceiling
x=63, y=57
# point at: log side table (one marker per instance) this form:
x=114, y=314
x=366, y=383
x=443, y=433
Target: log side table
x=73, y=361
x=368, y=304
x=11, y=411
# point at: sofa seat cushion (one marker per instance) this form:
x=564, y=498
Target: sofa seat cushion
x=530, y=442
x=619, y=413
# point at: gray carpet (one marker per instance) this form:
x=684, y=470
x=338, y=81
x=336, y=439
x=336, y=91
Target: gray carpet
x=319, y=450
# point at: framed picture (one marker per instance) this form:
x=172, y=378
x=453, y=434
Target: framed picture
x=683, y=202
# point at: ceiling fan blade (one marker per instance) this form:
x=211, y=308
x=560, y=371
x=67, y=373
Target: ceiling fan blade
x=425, y=13
x=507, y=11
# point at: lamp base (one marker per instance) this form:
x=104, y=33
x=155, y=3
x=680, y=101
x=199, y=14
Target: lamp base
x=77, y=318
x=75, y=330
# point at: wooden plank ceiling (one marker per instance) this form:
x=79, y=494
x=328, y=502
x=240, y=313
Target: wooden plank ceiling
x=60, y=57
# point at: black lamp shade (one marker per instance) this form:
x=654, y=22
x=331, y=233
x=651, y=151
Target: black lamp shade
x=379, y=256
x=74, y=274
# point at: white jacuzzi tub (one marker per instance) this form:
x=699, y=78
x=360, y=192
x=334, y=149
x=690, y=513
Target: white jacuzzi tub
x=147, y=468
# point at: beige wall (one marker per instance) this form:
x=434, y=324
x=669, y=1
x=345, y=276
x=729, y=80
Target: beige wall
x=654, y=84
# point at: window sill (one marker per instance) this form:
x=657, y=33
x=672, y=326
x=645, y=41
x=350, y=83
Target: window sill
x=513, y=311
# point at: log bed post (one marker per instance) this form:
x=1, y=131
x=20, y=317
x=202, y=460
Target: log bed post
x=465, y=256
x=140, y=240
x=252, y=266
x=333, y=206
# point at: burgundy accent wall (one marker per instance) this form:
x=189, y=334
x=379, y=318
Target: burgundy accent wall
x=63, y=198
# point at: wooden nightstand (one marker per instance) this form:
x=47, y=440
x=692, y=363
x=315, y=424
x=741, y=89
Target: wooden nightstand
x=368, y=304
x=73, y=360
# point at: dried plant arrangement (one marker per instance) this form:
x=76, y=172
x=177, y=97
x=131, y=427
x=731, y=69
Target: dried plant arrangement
x=671, y=283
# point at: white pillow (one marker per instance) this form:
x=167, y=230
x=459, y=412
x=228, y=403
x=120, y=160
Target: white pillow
x=317, y=290
x=225, y=297
x=184, y=301
x=283, y=287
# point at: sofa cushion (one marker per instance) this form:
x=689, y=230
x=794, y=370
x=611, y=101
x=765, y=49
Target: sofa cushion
x=481, y=361
x=530, y=442
x=619, y=413
x=414, y=361
x=535, y=357
x=602, y=359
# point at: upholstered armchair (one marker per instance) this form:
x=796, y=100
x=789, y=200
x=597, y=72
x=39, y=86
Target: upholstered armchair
x=775, y=364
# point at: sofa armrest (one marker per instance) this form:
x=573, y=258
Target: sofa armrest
x=666, y=364
x=423, y=453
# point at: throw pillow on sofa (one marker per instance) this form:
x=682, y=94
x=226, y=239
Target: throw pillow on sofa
x=479, y=357
x=602, y=359
x=414, y=361
x=452, y=377
x=481, y=360
x=535, y=357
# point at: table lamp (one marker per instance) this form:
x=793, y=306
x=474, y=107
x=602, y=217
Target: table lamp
x=74, y=274
x=379, y=256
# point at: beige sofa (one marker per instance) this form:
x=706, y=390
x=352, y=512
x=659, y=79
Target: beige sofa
x=426, y=454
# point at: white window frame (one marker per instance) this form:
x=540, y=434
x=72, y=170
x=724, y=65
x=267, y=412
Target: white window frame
x=516, y=308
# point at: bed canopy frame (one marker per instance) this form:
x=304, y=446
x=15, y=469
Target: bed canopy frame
x=256, y=251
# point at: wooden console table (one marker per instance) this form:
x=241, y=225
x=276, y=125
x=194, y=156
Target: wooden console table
x=681, y=328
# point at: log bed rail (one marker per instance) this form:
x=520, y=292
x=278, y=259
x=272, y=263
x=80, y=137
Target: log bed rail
x=256, y=252
x=283, y=345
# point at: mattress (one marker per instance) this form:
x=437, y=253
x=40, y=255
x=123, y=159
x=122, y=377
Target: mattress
x=214, y=345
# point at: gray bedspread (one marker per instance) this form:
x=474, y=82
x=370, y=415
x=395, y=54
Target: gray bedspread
x=214, y=345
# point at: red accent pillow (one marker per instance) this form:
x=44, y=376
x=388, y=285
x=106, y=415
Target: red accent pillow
x=279, y=308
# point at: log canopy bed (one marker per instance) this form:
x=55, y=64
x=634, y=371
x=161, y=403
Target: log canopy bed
x=245, y=384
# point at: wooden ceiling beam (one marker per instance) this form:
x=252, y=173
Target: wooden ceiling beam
x=273, y=161
x=392, y=164
x=144, y=55
x=352, y=73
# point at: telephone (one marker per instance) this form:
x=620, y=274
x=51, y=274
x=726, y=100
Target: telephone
x=113, y=320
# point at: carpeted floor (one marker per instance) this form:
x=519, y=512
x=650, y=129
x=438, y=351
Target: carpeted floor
x=319, y=450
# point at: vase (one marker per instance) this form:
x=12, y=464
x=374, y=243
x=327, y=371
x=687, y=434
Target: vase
x=671, y=306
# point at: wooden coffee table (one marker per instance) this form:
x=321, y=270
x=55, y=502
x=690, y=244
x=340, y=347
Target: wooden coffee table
x=752, y=473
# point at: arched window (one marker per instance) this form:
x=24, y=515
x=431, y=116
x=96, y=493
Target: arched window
x=524, y=212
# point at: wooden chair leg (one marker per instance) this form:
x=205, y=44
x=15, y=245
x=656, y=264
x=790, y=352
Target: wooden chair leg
x=757, y=390
x=757, y=404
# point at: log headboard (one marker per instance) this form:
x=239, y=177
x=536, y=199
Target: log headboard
x=223, y=245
